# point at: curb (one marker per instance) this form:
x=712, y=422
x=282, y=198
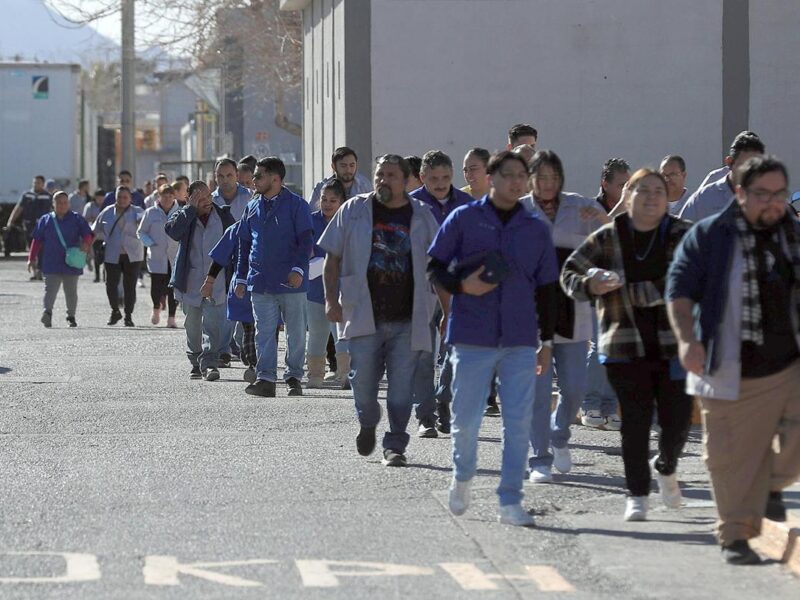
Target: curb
x=781, y=542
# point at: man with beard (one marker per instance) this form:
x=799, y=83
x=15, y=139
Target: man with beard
x=376, y=288
x=344, y=163
x=276, y=239
x=732, y=293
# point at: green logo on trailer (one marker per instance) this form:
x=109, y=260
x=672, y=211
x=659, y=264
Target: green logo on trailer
x=41, y=87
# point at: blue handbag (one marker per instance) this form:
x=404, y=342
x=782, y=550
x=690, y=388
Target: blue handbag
x=75, y=257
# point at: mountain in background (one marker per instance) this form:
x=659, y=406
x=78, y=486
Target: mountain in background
x=31, y=31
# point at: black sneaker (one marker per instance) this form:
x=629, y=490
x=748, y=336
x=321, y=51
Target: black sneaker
x=365, y=441
x=444, y=417
x=196, y=373
x=129, y=321
x=492, y=410
x=211, y=374
x=47, y=319
x=250, y=375
x=115, y=317
x=776, y=510
x=393, y=458
x=224, y=361
x=427, y=428
x=72, y=322
x=740, y=553
x=265, y=389
x=293, y=387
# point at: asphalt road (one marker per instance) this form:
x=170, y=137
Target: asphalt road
x=121, y=478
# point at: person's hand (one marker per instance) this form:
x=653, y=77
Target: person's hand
x=295, y=280
x=333, y=311
x=207, y=289
x=475, y=286
x=31, y=267
x=543, y=358
x=692, y=356
x=194, y=199
x=239, y=290
x=85, y=247
x=602, y=283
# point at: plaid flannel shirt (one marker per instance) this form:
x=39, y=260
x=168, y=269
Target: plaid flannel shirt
x=619, y=338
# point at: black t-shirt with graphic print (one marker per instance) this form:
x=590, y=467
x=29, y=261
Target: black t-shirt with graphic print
x=390, y=275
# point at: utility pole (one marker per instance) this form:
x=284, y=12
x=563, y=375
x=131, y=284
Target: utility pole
x=128, y=121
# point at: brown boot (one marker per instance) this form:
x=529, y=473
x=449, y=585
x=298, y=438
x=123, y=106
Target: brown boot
x=343, y=369
x=316, y=371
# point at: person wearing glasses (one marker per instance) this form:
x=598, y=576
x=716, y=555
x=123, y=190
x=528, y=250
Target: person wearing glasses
x=623, y=267
x=277, y=240
x=734, y=305
x=570, y=218
x=500, y=323
x=673, y=169
x=376, y=290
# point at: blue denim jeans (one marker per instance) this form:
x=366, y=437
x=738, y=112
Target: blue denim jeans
x=268, y=309
x=318, y=329
x=443, y=393
x=388, y=349
x=424, y=388
x=473, y=370
x=552, y=429
x=599, y=393
x=226, y=331
x=204, y=340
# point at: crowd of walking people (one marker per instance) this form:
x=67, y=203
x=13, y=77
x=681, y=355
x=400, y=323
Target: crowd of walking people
x=630, y=305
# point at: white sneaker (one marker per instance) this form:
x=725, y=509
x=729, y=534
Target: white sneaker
x=141, y=283
x=613, y=422
x=592, y=418
x=458, y=499
x=668, y=487
x=562, y=460
x=514, y=514
x=540, y=475
x=636, y=508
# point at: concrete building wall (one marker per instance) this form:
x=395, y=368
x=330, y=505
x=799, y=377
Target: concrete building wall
x=598, y=78
x=637, y=79
x=774, y=82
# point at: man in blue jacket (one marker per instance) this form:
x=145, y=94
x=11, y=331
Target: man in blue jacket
x=438, y=194
x=505, y=273
x=197, y=227
x=734, y=304
x=277, y=239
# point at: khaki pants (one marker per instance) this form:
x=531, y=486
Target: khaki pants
x=752, y=447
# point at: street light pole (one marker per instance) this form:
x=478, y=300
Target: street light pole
x=128, y=121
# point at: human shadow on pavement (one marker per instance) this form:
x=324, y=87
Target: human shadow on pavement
x=4, y=370
x=490, y=472
x=692, y=539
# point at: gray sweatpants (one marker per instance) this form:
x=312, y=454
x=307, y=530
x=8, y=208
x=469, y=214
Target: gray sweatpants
x=52, y=283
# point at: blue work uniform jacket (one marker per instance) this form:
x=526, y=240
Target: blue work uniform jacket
x=506, y=316
x=441, y=210
x=226, y=253
x=53, y=257
x=316, y=287
x=276, y=238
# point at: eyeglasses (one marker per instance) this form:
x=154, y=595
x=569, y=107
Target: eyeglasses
x=516, y=176
x=765, y=196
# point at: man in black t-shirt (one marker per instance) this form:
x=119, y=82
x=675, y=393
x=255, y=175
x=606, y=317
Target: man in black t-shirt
x=376, y=288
